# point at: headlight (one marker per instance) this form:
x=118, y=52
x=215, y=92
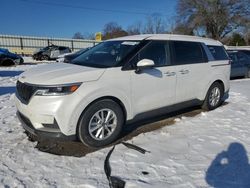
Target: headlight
x=57, y=90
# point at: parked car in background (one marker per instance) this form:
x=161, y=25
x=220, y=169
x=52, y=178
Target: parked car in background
x=66, y=58
x=121, y=80
x=61, y=58
x=50, y=52
x=8, y=58
x=240, y=63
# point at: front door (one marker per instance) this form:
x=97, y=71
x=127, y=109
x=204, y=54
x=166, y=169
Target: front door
x=153, y=88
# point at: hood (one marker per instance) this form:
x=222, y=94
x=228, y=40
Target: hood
x=60, y=73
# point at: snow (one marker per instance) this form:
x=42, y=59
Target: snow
x=210, y=149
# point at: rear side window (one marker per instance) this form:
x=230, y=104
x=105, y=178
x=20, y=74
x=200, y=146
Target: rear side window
x=62, y=48
x=187, y=52
x=218, y=52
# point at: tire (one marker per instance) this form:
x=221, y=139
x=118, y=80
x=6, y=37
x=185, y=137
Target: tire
x=209, y=103
x=90, y=120
x=21, y=61
x=44, y=57
x=7, y=62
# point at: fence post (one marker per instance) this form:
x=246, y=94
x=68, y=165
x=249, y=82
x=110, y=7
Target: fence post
x=21, y=42
x=72, y=45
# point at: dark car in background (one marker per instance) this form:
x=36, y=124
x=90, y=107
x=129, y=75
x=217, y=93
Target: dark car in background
x=72, y=56
x=66, y=58
x=240, y=63
x=50, y=52
x=8, y=58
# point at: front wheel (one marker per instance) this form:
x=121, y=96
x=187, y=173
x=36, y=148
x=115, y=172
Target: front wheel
x=100, y=124
x=214, y=97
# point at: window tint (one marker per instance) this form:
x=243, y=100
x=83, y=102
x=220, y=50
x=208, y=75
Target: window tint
x=187, y=52
x=218, y=52
x=62, y=48
x=242, y=57
x=247, y=52
x=155, y=51
x=233, y=57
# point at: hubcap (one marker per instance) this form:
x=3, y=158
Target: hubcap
x=102, y=124
x=214, y=97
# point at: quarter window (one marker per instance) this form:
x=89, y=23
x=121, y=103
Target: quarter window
x=187, y=52
x=218, y=52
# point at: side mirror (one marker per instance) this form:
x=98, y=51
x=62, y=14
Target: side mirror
x=144, y=63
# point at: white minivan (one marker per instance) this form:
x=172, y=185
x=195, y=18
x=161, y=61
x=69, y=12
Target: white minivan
x=120, y=80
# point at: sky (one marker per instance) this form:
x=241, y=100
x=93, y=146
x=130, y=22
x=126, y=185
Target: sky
x=63, y=18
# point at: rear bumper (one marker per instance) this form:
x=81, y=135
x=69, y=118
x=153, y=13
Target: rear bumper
x=42, y=134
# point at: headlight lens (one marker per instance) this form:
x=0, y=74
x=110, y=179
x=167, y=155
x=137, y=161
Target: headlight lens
x=57, y=90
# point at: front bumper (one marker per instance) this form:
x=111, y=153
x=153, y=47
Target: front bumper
x=43, y=134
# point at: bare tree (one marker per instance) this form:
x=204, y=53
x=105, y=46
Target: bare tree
x=182, y=29
x=113, y=30
x=78, y=35
x=154, y=24
x=217, y=17
x=135, y=29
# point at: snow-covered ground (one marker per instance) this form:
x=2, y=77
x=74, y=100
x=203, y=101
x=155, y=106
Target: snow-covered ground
x=209, y=149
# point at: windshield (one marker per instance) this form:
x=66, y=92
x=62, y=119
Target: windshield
x=106, y=54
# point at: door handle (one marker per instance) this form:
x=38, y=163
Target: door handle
x=169, y=73
x=184, y=71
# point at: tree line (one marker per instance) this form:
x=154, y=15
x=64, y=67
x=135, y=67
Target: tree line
x=224, y=20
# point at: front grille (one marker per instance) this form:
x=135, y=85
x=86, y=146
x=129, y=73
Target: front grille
x=25, y=91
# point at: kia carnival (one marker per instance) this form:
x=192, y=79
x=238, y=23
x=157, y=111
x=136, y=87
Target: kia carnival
x=120, y=80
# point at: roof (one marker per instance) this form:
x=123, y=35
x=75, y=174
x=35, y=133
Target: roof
x=174, y=37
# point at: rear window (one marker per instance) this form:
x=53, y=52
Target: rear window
x=218, y=52
x=187, y=52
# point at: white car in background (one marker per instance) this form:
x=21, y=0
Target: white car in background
x=121, y=80
x=61, y=58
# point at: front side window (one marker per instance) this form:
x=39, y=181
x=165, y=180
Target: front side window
x=155, y=51
x=106, y=54
x=187, y=52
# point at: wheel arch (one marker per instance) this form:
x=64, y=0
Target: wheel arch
x=221, y=83
x=219, y=80
x=115, y=99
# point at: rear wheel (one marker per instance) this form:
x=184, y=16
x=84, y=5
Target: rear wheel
x=100, y=124
x=214, y=97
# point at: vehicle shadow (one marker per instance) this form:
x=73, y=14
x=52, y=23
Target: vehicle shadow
x=7, y=90
x=230, y=169
x=10, y=73
x=77, y=149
